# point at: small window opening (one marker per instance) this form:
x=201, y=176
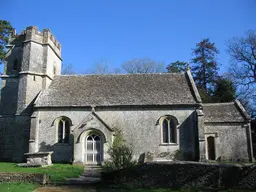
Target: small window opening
x=34, y=78
x=54, y=70
x=15, y=65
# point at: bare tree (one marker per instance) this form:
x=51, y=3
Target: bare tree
x=243, y=59
x=242, y=51
x=67, y=69
x=143, y=65
x=102, y=67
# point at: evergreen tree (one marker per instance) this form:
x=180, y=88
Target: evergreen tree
x=225, y=91
x=177, y=67
x=204, y=67
x=5, y=30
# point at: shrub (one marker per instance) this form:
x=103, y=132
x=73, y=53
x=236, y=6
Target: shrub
x=121, y=155
x=177, y=155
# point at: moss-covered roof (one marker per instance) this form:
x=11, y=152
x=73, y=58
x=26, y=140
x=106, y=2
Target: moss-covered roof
x=112, y=90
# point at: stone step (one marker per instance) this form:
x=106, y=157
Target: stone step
x=92, y=174
x=83, y=180
x=93, y=166
x=89, y=168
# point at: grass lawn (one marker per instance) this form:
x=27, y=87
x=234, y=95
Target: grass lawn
x=17, y=187
x=57, y=172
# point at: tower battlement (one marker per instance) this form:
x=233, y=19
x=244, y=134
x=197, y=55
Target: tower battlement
x=32, y=33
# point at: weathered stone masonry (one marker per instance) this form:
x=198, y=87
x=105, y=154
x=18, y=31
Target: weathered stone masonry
x=30, y=60
x=73, y=117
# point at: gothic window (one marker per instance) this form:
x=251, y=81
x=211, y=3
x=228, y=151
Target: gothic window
x=168, y=127
x=63, y=130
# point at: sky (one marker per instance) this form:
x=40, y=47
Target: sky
x=115, y=31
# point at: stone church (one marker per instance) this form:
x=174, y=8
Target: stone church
x=72, y=118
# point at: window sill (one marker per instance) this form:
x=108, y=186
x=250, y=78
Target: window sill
x=169, y=144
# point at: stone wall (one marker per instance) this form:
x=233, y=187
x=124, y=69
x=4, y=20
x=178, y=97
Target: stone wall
x=14, y=138
x=253, y=128
x=184, y=174
x=9, y=96
x=230, y=141
x=140, y=128
x=24, y=177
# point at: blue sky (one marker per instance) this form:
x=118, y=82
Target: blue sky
x=120, y=30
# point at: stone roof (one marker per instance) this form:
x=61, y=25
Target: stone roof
x=224, y=112
x=117, y=90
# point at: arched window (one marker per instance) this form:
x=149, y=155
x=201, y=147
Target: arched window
x=63, y=130
x=168, y=126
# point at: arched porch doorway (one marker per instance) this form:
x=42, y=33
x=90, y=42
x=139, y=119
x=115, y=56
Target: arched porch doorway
x=93, y=149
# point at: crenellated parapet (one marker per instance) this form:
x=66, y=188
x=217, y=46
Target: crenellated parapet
x=32, y=33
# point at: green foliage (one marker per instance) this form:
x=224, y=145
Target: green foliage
x=120, y=154
x=225, y=91
x=205, y=68
x=17, y=187
x=57, y=172
x=205, y=96
x=5, y=30
x=177, y=67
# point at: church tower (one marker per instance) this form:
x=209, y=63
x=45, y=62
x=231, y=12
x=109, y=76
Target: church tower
x=32, y=60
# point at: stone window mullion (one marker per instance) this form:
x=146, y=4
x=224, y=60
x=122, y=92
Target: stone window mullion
x=63, y=131
x=169, y=131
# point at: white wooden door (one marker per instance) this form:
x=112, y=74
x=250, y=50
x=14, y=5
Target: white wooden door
x=93, y=149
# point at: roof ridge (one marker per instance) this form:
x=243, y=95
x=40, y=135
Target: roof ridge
x=123, y=74
x=225, y=103
x=193, y=87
